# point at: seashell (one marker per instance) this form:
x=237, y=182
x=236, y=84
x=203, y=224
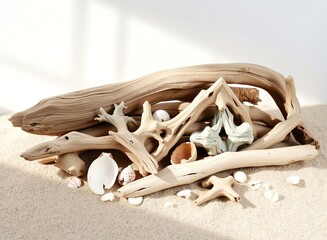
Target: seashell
x=255, y=185
x=185, y=152
x=127, y=175
x=294, y=180
x=161, y=115
x=186, y=193
x=240, y=176
x=135, y=201
x=74, y=182
x=108, y=197
x=272, y=195
x=102, y=173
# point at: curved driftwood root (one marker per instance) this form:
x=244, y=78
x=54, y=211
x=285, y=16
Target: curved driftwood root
x=220, y=187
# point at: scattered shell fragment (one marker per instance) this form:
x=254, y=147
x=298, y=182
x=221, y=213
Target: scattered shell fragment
x=161, y=115
x=186, y=193
x=135, y=201
x=102, y=173
x=272, y=195
x=294, y=180
x=108, y=197
x=240, y=176
x=127, y=175
x=74, y=182
x=170, y=204
x=255, y=185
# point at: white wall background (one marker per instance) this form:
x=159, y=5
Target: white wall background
x=50, y=47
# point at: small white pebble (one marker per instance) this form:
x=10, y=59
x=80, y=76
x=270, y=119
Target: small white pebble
x=240, y=176
x=294, y=180
x=186, y=193
x=135, y=201
x=272, y=195
x=108, y=197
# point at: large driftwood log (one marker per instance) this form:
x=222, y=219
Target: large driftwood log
x=50, y=115
x=180, y=174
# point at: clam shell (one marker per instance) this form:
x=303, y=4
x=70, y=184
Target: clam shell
x=74, y=182
x=294, y=180
x=161, y=115
x=184, y=193
x=102, y=173
x=272, y=195
x=127, y=175
x=108, y=197
x=135, y=201
x=240, y=176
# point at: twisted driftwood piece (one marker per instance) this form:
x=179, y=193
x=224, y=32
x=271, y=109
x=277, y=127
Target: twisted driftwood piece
x=50, y=115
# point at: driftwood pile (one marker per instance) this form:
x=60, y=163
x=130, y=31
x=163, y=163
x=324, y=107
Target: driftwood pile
x=120, y=116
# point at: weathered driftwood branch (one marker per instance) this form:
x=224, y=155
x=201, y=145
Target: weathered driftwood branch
x=282, y=129
x=50, y=115
x=180, y=174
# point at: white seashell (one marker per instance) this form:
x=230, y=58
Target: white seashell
x=186, y=193
x=108, y=197
x=135, y=201
x=170, y=204
x=294, y=180
x=240, y=176
x=161, y=115
x=102, y=173
x=127, y=175
x=74, y=182
x=255, y=185
x=272, y=195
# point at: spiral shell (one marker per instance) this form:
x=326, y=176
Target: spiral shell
x=127, y=175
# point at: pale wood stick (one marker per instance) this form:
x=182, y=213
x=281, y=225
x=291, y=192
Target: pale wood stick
x=180, y=174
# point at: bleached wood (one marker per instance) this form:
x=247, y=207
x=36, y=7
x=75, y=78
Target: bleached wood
x=180, y=174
